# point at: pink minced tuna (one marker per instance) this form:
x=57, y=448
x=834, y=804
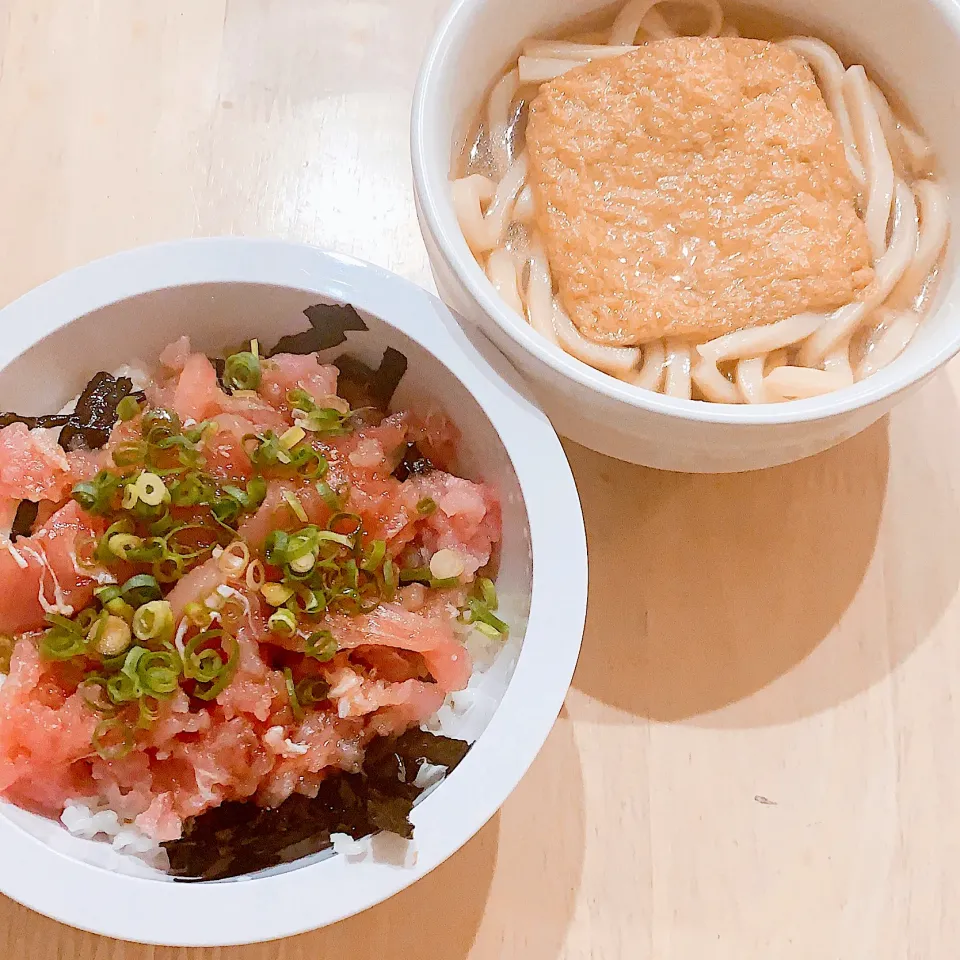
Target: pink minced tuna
x=390, y=666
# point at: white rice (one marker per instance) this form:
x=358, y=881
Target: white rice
x=91, y=821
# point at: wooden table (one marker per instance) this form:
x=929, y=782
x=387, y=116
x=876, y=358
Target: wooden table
x=758, y=758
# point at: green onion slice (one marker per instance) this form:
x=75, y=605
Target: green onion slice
x=292, y=694
x=112, y=739
x=321, y=645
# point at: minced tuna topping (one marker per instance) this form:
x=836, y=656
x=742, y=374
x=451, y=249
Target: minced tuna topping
x=247, y=585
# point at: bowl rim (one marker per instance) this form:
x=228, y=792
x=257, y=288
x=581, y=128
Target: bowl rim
x=437, y=219
x=317, y=894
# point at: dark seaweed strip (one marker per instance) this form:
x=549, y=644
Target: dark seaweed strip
x=242, y=838
x=96, y=413
x=89, y=426
x=24, y=520
x=220, y=365
x=412, y=463
x=329, y=324
x=362, y=386
x=44, y=420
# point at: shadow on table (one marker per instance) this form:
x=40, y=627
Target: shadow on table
x=706, y=589
x=514, y=883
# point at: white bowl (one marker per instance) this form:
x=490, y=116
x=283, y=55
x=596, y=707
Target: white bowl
x=914, y=45
x=221, y=291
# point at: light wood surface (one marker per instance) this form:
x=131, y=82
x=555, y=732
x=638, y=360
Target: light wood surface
x=758, y=758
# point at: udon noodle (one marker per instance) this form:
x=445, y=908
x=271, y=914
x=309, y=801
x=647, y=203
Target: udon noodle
x=902, y=207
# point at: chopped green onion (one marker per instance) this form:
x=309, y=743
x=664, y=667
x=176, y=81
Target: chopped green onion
x=106, y=594
x=159, y=425
x=275, y=547
x=112, y=739
x=128, y=408
x=321, y=645
x=331, y=499
x=283, y=621
x=93, y=691
x=159, y=672
x=426, y=506
x=292, y=694
x=149, y=714
x=121, y=543
x=276, y=594
x=488, y=592
x=60, y=643
x=373, y=555
x=328, y=536
x=120, y=608
x=226, y=674
x=242, y=371
x=295, y=505
x=141, y=589
x=352, y=520
x=312, y=690
x=478, y=611
x=124, y=688
x=129, y=454
x=189, y=490
x=416, y=575
x=97, y=495
x=389, y=579
x=153, y=621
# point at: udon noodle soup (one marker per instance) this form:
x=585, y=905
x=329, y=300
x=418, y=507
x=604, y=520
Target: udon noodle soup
x=653, y=302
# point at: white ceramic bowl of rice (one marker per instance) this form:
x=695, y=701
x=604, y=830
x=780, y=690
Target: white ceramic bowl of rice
x=117, y=311
x=911, y=47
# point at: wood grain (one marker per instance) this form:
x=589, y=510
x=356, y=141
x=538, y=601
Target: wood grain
x=757, y=758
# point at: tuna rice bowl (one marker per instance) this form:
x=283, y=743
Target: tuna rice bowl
x=249, y=608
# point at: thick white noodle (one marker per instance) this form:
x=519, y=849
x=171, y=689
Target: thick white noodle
x=750, y=379
x=650, y=374
x=845, y=322
x=565, y=50
x=799, y=383
x=678, y=371
x=617, y=361
x=636, y=13
x=498, y=120
x=524, y=210
x=487, y=232
x=837, y=363
x=911, y=151
x=829, y=71
x=469, y=195
x=875, y=154
x=899, y=328
x=713, y=384
x=760, y=340
x=802, y=356
x=502, y=273
x=544, y=69
x=540, y=298
x=934, y=227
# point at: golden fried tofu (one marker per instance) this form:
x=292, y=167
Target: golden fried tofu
x=694, y=187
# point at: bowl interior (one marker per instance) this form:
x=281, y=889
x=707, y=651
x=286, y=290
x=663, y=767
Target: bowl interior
x=911, y=46
x=218, y=316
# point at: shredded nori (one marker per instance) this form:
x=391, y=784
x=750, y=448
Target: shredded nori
x=24, y=520
x=89, y=426
x=412, y=463
x=241, y=838
x=329, y=324
x=362, y=386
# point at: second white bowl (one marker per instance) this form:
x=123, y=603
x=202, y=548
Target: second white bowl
x=913, y=45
